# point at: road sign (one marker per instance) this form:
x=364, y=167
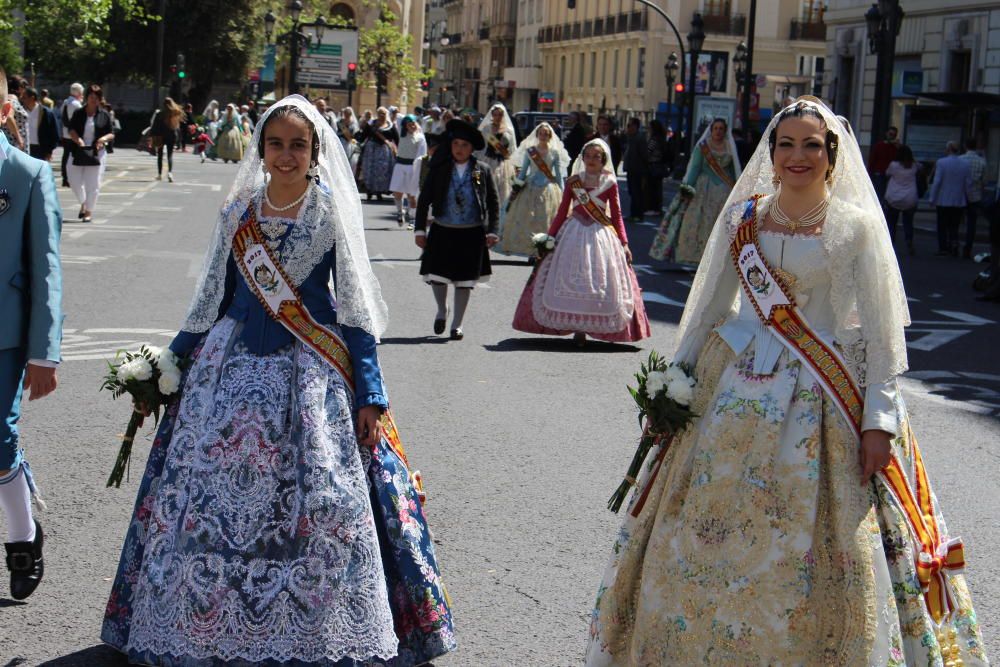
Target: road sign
x=324, y=65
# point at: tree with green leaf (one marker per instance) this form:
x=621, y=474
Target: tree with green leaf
x=385, y=53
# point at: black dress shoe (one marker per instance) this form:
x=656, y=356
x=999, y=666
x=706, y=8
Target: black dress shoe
x=439, y=325
x=457, y=334
x=24, y=560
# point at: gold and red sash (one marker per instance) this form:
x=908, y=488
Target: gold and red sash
x=714, y=165
x=583, y=198
x=775, y=306
x=497, y=146
x=542, y=165
x=266, y=278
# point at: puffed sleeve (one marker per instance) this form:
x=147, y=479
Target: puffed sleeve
x=719, y=306
x=694, y=168
x=557, y=222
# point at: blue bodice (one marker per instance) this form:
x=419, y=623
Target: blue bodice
x=263, y=335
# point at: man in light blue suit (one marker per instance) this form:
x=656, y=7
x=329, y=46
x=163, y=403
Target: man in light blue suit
x=30, y=335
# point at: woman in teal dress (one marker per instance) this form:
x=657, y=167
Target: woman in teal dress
x=712, y=173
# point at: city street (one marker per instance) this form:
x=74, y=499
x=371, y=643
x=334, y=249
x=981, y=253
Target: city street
x=520, y=439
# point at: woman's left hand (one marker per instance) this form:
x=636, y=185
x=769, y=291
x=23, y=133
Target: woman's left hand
x=369, y=430
x=628, y=254
x=875, y=451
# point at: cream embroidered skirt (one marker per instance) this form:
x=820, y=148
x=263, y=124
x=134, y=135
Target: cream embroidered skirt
x=757, y=545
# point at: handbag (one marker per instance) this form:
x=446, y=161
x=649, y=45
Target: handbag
x=85, y=156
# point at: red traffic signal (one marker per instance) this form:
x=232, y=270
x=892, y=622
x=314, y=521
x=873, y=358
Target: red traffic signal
x=425, y=84
x=173, y=69
x=678, y=87
x=351, y=67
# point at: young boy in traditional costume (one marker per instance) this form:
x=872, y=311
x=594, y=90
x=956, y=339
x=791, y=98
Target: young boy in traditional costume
x=30, y=336
x=462, y=195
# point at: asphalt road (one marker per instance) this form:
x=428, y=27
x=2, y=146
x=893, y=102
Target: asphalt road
x=520, y=439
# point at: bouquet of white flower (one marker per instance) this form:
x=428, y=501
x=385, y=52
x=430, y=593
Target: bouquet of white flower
x=152, y=376
x=664, y=395
x=544, y=244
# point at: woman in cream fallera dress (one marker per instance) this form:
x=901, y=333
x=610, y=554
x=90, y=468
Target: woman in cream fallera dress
x=756, y=544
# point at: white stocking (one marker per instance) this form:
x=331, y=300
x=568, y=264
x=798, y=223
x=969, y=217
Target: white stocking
x=15, y=501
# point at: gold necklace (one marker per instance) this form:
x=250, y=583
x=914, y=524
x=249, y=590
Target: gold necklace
x=810, y=218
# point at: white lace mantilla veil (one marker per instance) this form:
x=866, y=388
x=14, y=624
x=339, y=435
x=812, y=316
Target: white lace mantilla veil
x=556, y=147
x=867, y=294
x=486, y=124
x=607, y=172
x=331, y=217
x=730, y=144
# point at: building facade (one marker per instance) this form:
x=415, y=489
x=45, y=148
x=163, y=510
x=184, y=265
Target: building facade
x=410, y=17
x=609, y=55
x=481, y=43
x=524, y=78
x=946, y=75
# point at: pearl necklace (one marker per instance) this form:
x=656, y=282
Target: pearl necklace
x=295, y=203
x=810, y=218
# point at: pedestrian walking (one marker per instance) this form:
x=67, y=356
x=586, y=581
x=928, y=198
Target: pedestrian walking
x=43, y=132
x=69, y=107
x=656, y=167
x=882, y=155
x=299, y=507
x=93, y=137
x=164, y=127
x=805, y=454
x=378, y=154
x=16, y=125
x=348, y=132
x=202, y=142
x=30, y=335
x=586, y=285
x=636, y=163
x=901, y=194
x=711, y=174
x=211, y=116
x=607, y=133
x=229, y=142
x=977, y=169
x=498, y=132
x=578, y=134
x=405, y=181
x=325, y=112
x=543, y=165
x=461, y=194
x=187, y=131
x=949, y=192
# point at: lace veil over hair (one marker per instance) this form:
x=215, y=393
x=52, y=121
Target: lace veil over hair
x=555, y=147
x=507, y=128
x=866, y=293
x=730, y=145
x=331, y=217
x=607, y=171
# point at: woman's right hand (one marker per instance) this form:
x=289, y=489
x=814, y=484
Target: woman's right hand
x=142, y=408
x=420, y=240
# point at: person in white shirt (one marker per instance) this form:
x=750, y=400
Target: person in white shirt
x=977, y=166
x=66, y=111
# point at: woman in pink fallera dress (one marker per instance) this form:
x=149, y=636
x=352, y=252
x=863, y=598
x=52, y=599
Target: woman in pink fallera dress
x=586, y=285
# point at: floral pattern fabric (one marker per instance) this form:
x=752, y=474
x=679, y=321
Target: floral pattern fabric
x=255, y=539
x=757, y=545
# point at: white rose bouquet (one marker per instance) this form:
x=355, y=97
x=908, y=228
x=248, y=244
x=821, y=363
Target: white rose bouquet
x=152, y=376
x=544, y=244
x=664, y=395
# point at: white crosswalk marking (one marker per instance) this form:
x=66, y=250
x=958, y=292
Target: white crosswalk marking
x=104, y=343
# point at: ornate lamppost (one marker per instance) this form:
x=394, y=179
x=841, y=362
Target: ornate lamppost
x=696, y=39
x=884, y=20
x=294, y=38
x=670, y=72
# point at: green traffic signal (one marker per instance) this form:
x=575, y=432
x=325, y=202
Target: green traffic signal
x=181, y=74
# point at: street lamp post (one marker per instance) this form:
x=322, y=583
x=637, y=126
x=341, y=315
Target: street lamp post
x=742, y=83
x=670, y=71
x=884, y=20
x=696, y=39
x=295, y=38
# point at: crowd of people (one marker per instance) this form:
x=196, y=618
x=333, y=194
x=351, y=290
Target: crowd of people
x=278, y=520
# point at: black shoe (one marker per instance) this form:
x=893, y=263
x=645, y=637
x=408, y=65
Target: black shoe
x=457, y=334
x=400, y=220
x=24, y=560
x=439, y=325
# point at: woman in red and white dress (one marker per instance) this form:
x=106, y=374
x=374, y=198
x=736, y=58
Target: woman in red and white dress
x=586, y=285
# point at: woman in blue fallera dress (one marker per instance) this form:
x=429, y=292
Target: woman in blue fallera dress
x=277, y=522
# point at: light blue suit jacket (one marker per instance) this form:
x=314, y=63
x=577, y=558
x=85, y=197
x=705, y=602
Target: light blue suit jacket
x=952, y=183
x=30, y=270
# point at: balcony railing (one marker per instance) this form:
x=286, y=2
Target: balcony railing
x=588, y=28
x=598, y=27
x=576, y=30
x=454, y=39
x=725, y=24
x=637, y=21
x=811, y=30
x=484, y=33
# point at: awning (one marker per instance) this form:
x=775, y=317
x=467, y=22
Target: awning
x=972, y=98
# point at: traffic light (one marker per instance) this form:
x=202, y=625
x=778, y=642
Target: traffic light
x=678, y=88
x=425, y=85
x=352, y=76
x=179, y=68
x=173, y=69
